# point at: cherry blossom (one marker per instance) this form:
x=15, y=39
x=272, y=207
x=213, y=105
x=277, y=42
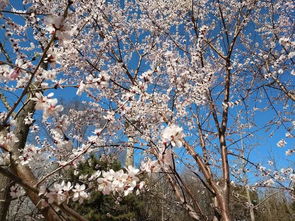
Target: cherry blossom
x=148, y=76
x=8, y=139
x=47, y=104
x=59, y=193
x=16, y=191
x=150, y=166
x=289, y=152
x=29, y=120
x=20, y=66
x=173, y=134
x=269, y=182
x=56, y=25
x=81, y=88
x=79, y=193
x=118, y=181
x=29, y=153
x=281, y=143
x=132, y=171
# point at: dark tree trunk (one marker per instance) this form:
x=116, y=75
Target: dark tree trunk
x=5, y=184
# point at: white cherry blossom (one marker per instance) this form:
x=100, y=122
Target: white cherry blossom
x=47, y=104
x=79, y=193
x=281, y=143
x=173, y=134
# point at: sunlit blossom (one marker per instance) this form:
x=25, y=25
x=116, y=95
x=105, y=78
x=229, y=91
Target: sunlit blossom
x=173, y=134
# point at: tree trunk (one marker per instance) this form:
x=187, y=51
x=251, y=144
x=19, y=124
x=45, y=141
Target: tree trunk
x=129, y=154
x=222, y=211
x=252, y=215
x=23, y=172
x=5, y=184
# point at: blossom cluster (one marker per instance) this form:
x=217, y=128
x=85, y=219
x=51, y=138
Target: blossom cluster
x=172, y=134
x=130, y=64
x=122, y=182
x=47, y=104
x=28, y=154
x=56, y=25
x=91, y=82
x=118, y=181
x=7, y=140
x=150, y=166
x=62, y=192
x=16, y=191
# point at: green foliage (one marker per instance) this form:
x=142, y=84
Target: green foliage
x=106, y=207
x=160, y=202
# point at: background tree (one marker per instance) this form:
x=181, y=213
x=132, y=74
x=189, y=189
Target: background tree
x=105, y=207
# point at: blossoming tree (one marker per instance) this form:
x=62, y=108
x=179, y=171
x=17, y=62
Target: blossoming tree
x=188, y=77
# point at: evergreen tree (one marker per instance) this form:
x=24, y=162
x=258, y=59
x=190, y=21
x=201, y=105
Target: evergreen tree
x=106, y=207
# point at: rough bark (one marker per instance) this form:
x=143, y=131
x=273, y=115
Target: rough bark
x=23, y=172
x=252, y=214
x=5, y=184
